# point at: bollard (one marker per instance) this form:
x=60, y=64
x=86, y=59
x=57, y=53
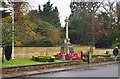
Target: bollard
x=3, y=54
x=70, y=56
x=63, y=57
x=81, y=55
x=88, y=56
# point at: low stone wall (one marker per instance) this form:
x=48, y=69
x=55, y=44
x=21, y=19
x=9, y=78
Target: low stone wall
x=27, y=52
x=50, y=65
x=40, y=66
x=102, y=59
x=103, y=51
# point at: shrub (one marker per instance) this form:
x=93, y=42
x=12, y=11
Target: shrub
x=100, y=55
x=52, y=59
x=94, y=56
x=46, y=42
x=36, y=58
x=116, y=44
x=43, y=58
x=39, y=42
x=105, y=55
x=32, y=58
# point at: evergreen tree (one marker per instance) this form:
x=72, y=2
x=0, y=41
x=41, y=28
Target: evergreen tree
x=51, y=14
x=56, y=17
x=80, y=28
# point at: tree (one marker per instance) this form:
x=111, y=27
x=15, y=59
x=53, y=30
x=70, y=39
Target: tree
x=34, y=16
x=51, y=14
x=6, y=26
x=85, y=17
x=80, y=28
x=7, y=32
x=118, y=12
x=104, y=23
x=48, y=13
x=32, y=28
x=109, y=24
x=90, y=7
x=56, y=17
x=45, y=29
x=46, y=25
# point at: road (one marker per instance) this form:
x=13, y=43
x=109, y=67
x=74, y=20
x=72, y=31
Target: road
x=101, y=71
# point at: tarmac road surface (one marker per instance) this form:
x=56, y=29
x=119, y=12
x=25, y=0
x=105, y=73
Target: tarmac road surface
x=100, y=71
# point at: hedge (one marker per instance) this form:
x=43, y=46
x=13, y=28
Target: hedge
x=43, y=58
x=100, y=55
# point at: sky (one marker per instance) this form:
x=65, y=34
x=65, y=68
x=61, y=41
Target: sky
x=62, y=5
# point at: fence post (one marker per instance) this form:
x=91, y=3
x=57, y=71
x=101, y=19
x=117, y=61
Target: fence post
x=88, y=56
x=81, y=55
x=63, y=57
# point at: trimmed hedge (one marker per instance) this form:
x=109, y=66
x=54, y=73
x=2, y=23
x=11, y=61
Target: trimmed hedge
x=116, y=44
x=43, y=58
x=100, y=55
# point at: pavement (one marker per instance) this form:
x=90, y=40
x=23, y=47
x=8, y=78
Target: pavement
x=53, y=70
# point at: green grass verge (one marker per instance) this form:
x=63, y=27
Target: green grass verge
x=84, y=62
x=58, y=60
x=21, y=61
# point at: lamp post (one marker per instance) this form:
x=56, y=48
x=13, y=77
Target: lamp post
x=12, y=12
x=13, y=33
x=13, y=29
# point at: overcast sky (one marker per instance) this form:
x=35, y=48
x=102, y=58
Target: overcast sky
x=62, y=5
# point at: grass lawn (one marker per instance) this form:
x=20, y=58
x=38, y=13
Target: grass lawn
x=25, y=61
x=58, y=60
x=21, y=61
